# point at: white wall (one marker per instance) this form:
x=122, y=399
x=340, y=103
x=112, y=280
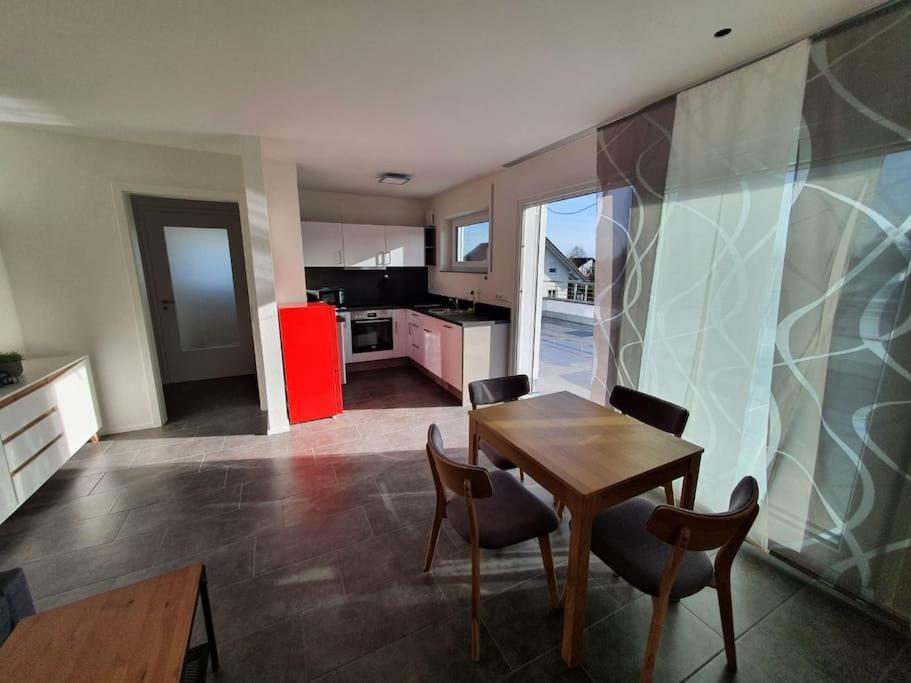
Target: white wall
x=282, y=198
x=10, y=330
x=342, y=207
x=550, y=174
x=67, y=257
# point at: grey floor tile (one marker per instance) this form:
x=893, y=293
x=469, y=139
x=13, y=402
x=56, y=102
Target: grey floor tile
x=829, y=631
x=900, y=670
x=441, y=652
x=173, y=484
x=249, y=606
x=762, y=656
x=337, y=498
x=549, y=668
x=65, y=485
x=192, y=536
x=524, y=624
x=28, y=518
x=338, y=634
x=306, y=481
x=89, y=565
x=320, y=534
x=272, y=654
x=62, y=537
x=759, y=584
x=226, y=564
x=180, y=510
x=615, y=647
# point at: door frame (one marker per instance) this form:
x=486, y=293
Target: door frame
x=193, y=210
x=530, y=250
x=132, y=261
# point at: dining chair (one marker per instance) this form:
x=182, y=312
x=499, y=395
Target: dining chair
x=485, y=392
x=489, y=510
x=661, y=550
x=653, y=411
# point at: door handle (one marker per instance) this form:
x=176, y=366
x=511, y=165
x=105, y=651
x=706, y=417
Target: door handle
x=168, y=301
x=339, y=255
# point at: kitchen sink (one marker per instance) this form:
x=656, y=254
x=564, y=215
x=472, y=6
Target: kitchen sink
x=444, y=311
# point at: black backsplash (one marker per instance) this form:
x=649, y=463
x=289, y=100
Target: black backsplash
x=393, y=286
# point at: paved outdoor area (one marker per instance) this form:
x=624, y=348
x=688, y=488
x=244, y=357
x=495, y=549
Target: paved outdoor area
x=565, y=363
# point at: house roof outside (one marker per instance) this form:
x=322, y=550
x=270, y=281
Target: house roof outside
x=565, y=260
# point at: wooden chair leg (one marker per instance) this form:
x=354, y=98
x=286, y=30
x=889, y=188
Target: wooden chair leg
x=432, y=543
x=669, y=493
x=659, y=611
x=475, y=603
x=723, y=586
x=559, y=507
x=549, y=573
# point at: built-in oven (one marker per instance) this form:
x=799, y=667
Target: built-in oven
x=371, y=331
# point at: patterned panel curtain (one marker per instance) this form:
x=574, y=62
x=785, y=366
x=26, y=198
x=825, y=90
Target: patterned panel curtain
x=632, y=168
x=840, y=428
x=711, y=321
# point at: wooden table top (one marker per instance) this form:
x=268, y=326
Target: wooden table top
x=588, y=447
x=135, y=633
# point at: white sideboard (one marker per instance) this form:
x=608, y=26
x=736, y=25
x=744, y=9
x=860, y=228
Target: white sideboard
x=44, y=420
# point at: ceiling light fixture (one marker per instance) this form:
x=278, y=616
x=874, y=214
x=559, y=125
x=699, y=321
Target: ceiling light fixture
x=394, y=178
x=722, y=32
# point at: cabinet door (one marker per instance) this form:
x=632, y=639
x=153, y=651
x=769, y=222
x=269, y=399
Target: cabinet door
x=365, y=245
x=404, y=245
x=415, y=337
x=433, y=352
x=451, y=345
x=322, y=243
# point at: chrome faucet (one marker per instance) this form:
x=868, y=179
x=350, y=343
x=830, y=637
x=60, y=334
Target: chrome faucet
x=474, y=300
x=454, y=301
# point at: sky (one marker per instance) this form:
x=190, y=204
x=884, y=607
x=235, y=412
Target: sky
x=572, y=222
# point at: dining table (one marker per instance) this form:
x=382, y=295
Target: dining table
x=590, y=457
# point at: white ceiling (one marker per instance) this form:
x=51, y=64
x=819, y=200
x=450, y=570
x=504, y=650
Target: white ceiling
x=444, y=89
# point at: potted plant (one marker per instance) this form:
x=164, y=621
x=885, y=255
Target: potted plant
x=11, y=363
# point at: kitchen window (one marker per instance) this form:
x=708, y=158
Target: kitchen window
x=471, y=242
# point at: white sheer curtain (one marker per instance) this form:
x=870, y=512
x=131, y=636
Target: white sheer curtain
x=712, y=317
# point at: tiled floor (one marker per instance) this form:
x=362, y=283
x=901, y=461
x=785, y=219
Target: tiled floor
x=314, y=543
x=565, y=358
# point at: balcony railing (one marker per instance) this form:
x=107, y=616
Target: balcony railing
x=583, y=292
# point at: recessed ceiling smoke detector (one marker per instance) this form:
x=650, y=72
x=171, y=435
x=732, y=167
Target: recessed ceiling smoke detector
x=394, y=178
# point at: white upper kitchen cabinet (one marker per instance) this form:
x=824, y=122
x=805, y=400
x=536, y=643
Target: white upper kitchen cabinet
x=365, y=245
x=322, y=244
x=451, y=354
x=404, y=245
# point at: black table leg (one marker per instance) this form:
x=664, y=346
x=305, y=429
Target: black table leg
x=207, y=616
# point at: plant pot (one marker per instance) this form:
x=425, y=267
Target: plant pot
x=13, y=369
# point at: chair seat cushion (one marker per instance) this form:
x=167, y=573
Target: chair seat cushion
x=622, y=541
x=499, y=460
x=511, y=515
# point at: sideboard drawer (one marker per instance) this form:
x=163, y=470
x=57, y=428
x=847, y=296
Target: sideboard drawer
x=37, y=471
x=23, y=410
x=29, y=442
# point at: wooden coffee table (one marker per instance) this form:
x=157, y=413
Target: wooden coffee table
x=140, y=632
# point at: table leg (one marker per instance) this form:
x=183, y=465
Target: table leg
x=577, y=583
x=688, y=495
x=207, y=616
x=472, y=441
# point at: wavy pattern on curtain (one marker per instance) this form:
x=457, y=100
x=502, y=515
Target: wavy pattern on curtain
x=840, y=428
x=632, y=169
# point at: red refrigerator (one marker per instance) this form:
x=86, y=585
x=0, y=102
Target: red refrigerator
x=310, y=351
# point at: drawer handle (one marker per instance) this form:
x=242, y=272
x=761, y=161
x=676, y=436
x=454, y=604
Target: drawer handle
x=448, y=327
x=416, y=346
x=40, y=451
x=31, y=424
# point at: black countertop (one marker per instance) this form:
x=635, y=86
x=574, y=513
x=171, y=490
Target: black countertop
x=465, y=319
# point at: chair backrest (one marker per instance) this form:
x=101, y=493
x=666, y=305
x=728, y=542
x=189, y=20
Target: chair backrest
x=484, y=392
x=724, y=530
x=454, y=475
x=653, y=411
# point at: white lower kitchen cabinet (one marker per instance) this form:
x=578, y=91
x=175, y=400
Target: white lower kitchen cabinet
x=415, y=332
x=433, y=330
x=44, y=420
x=451, y=354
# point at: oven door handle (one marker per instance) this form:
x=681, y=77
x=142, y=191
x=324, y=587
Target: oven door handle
x=371, y=320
